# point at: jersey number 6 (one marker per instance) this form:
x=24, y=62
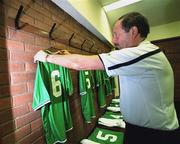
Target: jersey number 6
x=56, y=84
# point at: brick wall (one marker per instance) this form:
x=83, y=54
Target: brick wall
x=18, y=122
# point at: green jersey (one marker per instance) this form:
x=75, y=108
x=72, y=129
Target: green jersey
x=112, y=115
x=116, y=100
x=104, y=136
x=114, y=105
x=100, y=86
x=86, y=84
x=108, y=86
x=52, y=86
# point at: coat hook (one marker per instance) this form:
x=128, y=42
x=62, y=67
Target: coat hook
x=83, y=44
x=18, y=17
x=71, y=38
x=51, y=31
x=91, y=46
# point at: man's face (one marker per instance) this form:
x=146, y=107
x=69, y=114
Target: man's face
x=121, y=38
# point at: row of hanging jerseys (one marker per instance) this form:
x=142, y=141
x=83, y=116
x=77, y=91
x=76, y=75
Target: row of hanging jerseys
x=53, y=85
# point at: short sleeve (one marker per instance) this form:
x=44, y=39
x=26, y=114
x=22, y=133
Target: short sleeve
x=121, y=62
x=40, y=95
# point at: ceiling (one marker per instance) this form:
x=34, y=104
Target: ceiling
x=158, y=12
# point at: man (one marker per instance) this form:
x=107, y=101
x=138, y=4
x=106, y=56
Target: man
x=146, y=80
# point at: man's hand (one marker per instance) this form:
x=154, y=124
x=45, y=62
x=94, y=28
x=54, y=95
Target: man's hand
x=40, y=56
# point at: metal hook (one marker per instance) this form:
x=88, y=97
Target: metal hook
x=83, y=44
x=18, y=17
x=71, y=38
x=91, y=46
x=51, y=31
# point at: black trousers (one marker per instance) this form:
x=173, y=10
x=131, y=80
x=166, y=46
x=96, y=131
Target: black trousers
x=140, y=135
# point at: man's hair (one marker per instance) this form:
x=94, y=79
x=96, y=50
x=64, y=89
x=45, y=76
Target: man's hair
x=135, y=19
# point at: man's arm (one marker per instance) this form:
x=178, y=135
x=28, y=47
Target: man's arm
x=73, y=61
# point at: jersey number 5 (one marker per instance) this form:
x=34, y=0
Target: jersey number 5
x=112, y=138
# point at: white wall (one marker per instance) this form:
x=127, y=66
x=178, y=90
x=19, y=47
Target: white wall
x=164, y=31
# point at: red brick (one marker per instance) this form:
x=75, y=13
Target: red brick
x=36, y=124
x=20, y=110
x=29, y=139
x=11, y=114
x=5, y=103
x=7, y=128
x=3, y=54
x=2, y=15
x=21, y=77
x=2, y=31
x=16, y=67
x=30, y=86
x=15, y=45
x=20, y=35
x=4, y=90
x=18, y=89
x=31, y=67
x=40, y=140
x=16, y=135
x=21, y=100
x=30, y=107
x=29, y=48
x=21, y=56
x=4, y=78
x=26, y=119
x=2, y=42
x=37, y=48
x=3, y=66
x=43, y=42
x=6, y=116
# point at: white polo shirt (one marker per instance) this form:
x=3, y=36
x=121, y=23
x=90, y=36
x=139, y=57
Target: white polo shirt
x=146, y=85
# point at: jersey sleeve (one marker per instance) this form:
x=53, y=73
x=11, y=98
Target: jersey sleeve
x=68, y=82
x=98, y=78
x=40, y=95
x=82, y=86
x=92, y=79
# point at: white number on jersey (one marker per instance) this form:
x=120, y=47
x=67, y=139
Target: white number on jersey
x=112, y=138
x=88, y=80
x=56, y=84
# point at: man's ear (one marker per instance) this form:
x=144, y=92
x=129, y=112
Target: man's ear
x=134, y=31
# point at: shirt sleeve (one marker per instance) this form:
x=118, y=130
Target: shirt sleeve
x=121, y=62
x=40, y=96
